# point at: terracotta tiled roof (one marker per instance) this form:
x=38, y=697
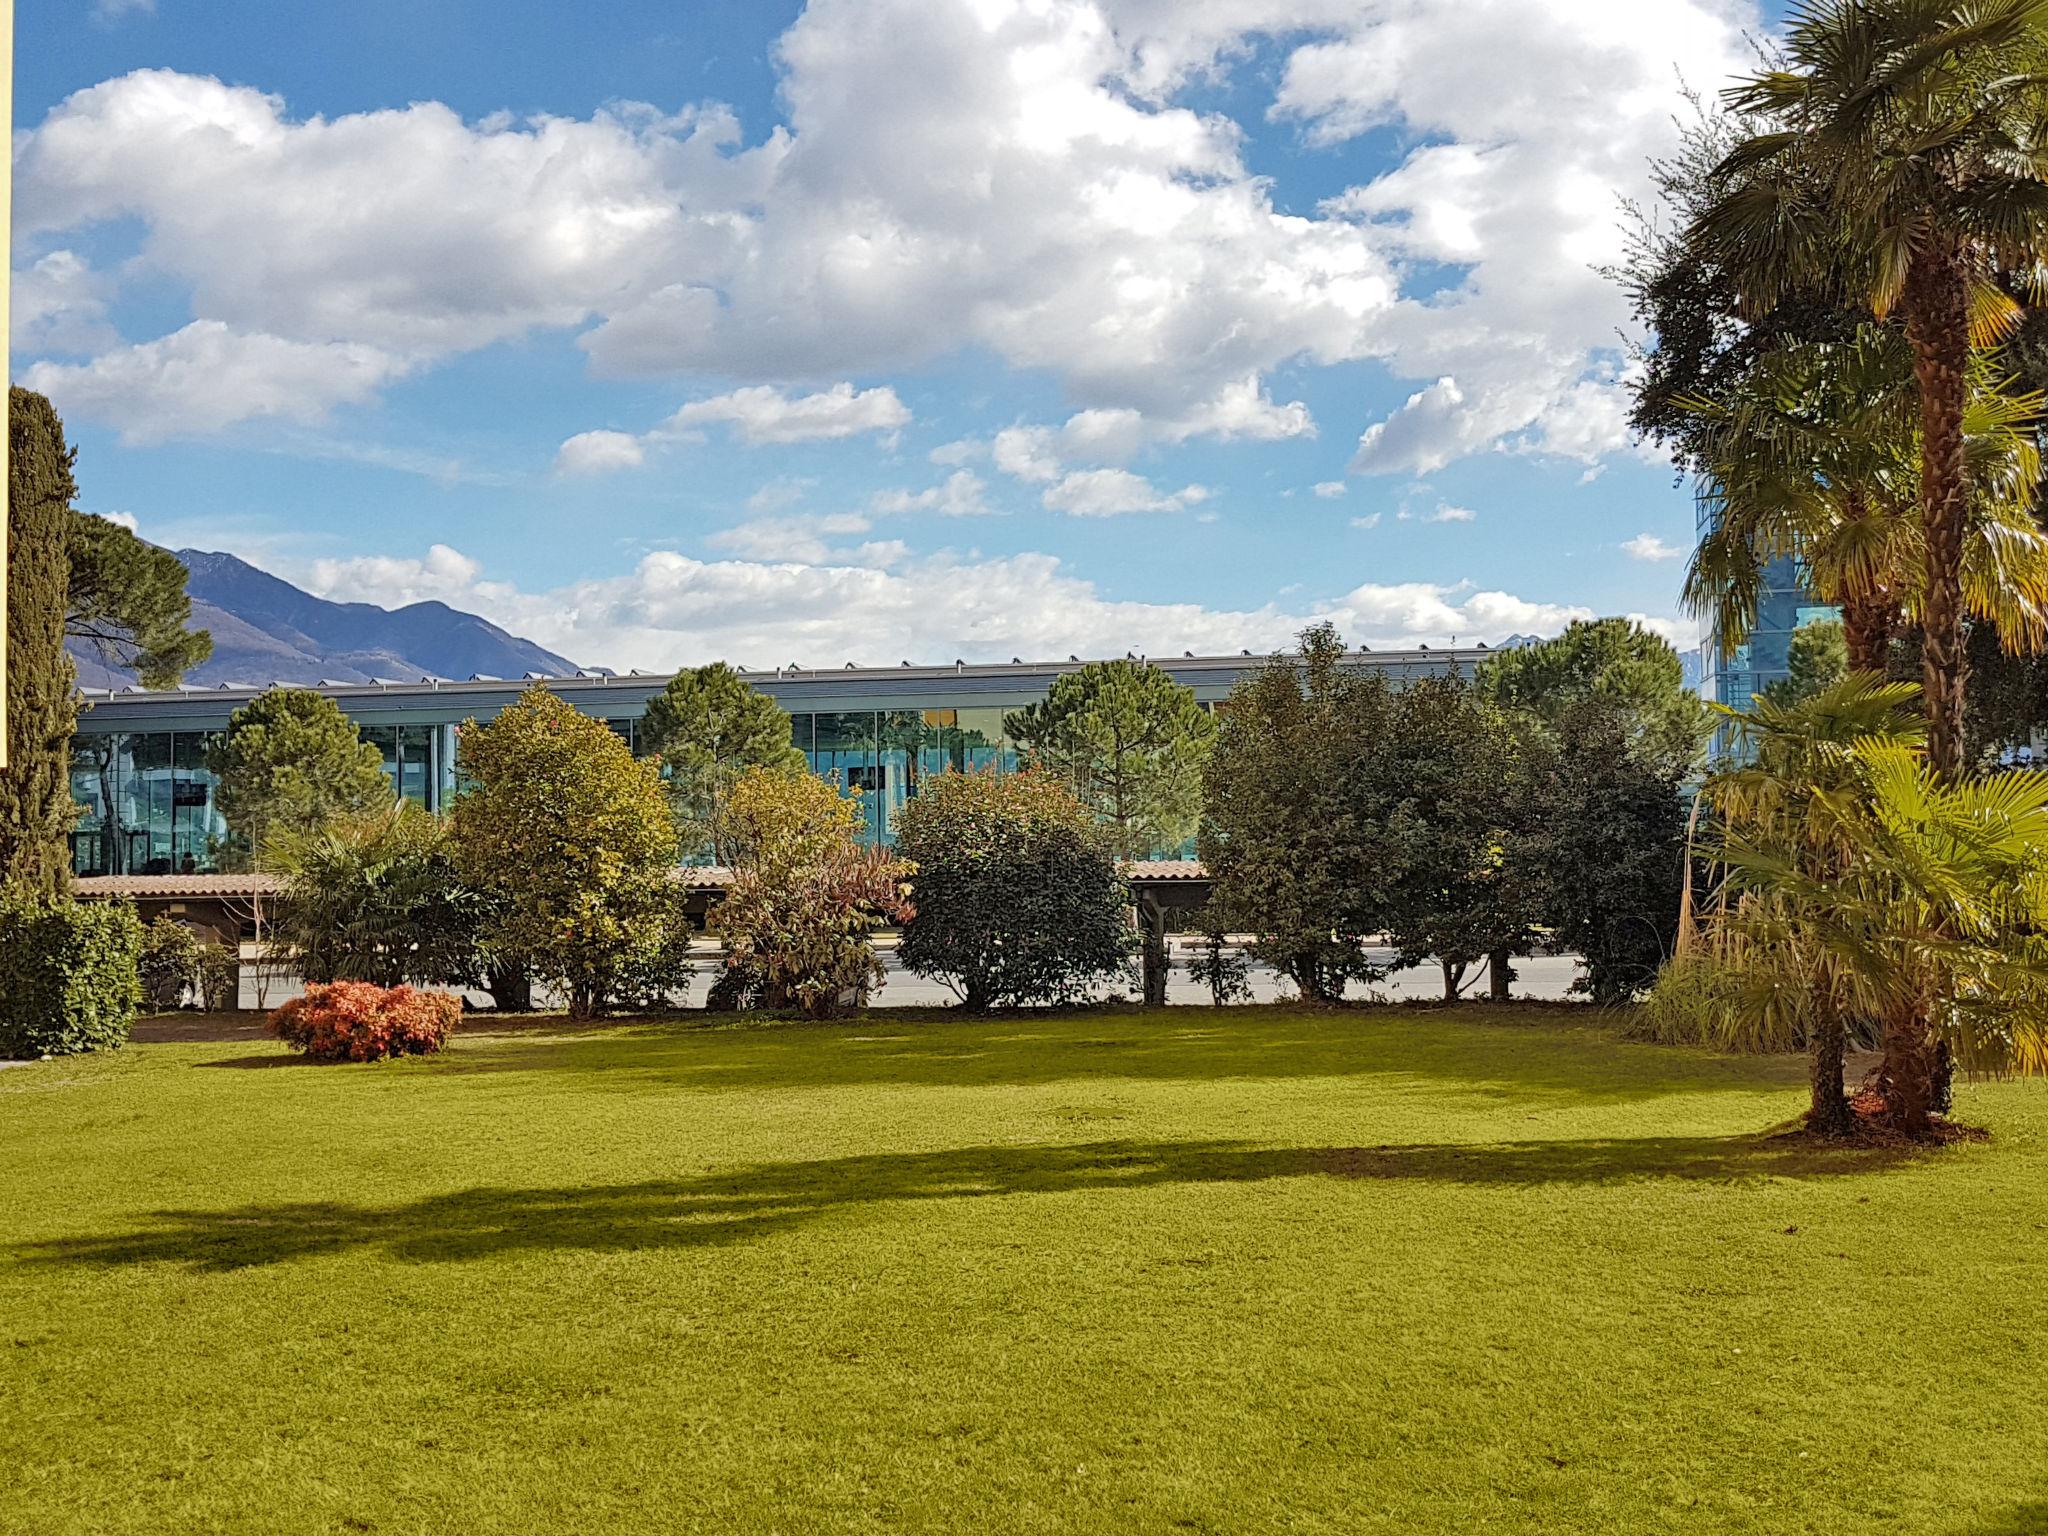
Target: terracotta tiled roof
x=227, y=886
x=1165, y=869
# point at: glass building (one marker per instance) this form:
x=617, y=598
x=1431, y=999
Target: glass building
x=138, y=762
x=1736, y=674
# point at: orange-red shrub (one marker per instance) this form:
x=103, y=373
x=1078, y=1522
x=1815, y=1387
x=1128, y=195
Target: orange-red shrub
x=360, y=1021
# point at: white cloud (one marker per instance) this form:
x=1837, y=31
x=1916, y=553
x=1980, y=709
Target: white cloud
x=1446, y=513
x=810, y=540
x=207, y=377
x=1111, y=492
x=598, y=453
x=758, y=414
x=960, y=451
x=762, y=414
x=874, y=605
x=122, y=520
x=1370, y=520
x=109, y=11
x=1014, y=178
x=1028, y=453
x=962, y=495
x=1329, y=490
x=59, y=304
x=1647, y=546
x=779, y=495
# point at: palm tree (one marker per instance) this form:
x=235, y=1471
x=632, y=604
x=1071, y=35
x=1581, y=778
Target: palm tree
x=1903, y=166
x=1815, y=456
x=1781, y=807
x=1888, y=891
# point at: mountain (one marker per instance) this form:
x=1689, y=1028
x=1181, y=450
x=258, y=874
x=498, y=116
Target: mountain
x=265, y=630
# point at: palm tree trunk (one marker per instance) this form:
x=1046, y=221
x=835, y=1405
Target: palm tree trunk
x=1867, y=621
x=1906, y=1074
x=1829, y=1114
x=1937, y=325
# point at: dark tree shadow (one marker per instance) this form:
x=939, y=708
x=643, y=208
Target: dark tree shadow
x=1476, y=1050
x=2029, y=1519
x=746, y=1203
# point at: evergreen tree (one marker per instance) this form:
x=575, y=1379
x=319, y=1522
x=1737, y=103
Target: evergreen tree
x=1816, y=660
x=709, y=727
x=36, y=808
x=1298, y=858
x=1621, y=664
x=1130, y=742
x=125, y=598
x=567, y=837
x=291, y=761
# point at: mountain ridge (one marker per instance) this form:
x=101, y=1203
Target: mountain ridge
x=265, y=630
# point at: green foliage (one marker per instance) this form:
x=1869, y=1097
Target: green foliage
x=1862, y=887
x=1130, y=742
x=569, y=838
x=176, y=959
x=1817, y=659
x=799, y=917
x=376, y=897
x=1635, y=673
x=1450, y=785
x=1225, y=971
x=36, y=809
x=290, y=762
x=1018, y=898
x=1607, y=839
x=1296, y=861
x=708, y=726
x=69, y=974
x=126, y=600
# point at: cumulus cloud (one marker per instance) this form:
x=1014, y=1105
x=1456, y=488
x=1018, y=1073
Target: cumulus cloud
x=1020, y=179
x=1329, y=490
x=1112, y=492
x=1369, y=521
x=597, y=453
x=875, y=605
x=961, y=495
x=762, y=414
x=811, y=540
x=209, y=376
x=59, y=304
x=758, y=414
x=1647, y=546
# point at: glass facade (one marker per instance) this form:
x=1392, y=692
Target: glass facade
x=146, y=804
x=886, y=754
x=146, y=801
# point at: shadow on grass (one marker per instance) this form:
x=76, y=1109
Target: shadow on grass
x=2030, y=1519
x=752, y=1202
x=1492, y=1053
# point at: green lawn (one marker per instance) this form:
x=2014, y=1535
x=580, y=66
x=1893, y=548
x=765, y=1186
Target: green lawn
x=1375, y=1271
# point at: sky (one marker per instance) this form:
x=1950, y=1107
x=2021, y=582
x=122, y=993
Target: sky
x=868, y=330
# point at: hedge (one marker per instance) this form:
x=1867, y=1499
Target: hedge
x=68, y=975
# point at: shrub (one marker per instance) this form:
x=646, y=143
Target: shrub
x=360, y=1021
x=170, y=962
x=805, y=898
x=175, y=958
x=1226, y=972
x=1018, y=900
x=69, y=975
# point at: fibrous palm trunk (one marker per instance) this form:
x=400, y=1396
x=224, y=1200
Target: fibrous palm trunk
x=1829, y=1114
x=1868, y=619
x=1906, y=1074
x=1937, y=325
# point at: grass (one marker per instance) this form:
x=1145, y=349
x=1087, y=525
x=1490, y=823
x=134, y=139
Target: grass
x=1376, y=1271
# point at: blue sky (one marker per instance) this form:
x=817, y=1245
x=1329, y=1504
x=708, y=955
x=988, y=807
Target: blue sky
x=867, y=329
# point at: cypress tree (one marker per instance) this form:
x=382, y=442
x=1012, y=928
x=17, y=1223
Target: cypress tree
x=36, y=809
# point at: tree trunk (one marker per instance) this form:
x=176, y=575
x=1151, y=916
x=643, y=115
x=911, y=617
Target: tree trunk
x=511, y=989
x=1937, y=325
x=1308, y=977
x=1453, y=974
x=1906, y=1074
x=582, y=1001
x=1829, y=1114
x=1152, y=918
x=1499, y=972
x=1867, y=622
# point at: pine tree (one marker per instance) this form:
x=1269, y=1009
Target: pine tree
x=36, y=810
